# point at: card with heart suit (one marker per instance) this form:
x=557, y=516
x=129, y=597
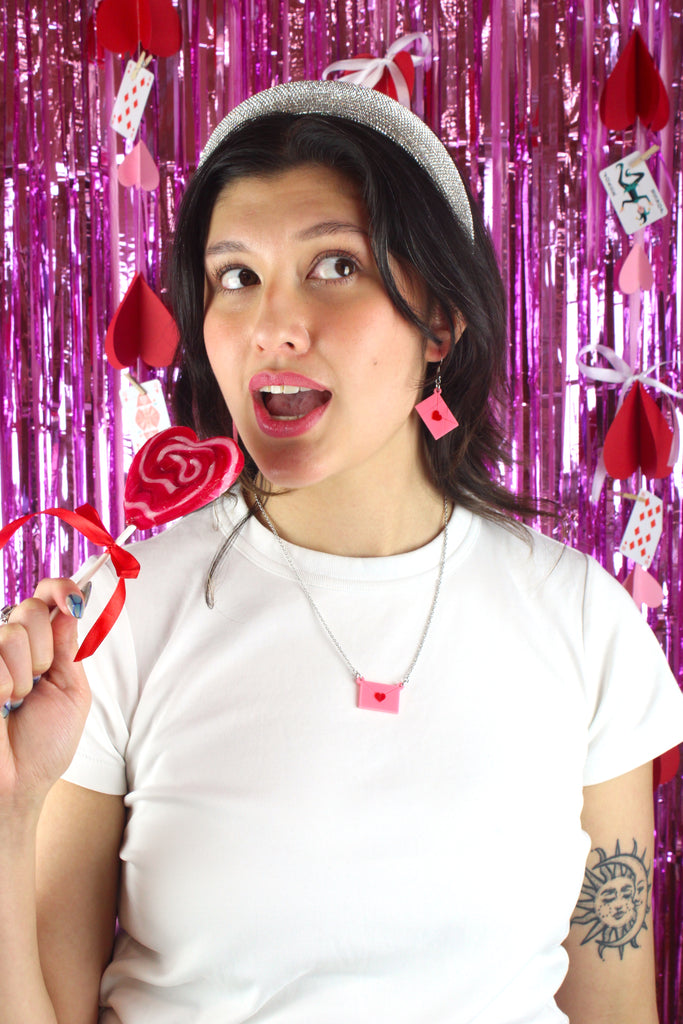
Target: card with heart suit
x=634, y=195
x=144, y=411
x=131, y=100
x=644, y=529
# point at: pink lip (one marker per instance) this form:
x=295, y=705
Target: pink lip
x=266, y=379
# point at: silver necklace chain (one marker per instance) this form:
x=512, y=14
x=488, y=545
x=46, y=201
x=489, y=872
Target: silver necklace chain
x=318, y=614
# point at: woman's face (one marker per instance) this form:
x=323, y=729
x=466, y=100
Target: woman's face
x=318, y=369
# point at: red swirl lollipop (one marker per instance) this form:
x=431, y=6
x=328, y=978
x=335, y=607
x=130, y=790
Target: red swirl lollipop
x=174, y=474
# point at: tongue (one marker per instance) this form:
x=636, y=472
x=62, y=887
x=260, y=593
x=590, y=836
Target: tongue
x=294, y=405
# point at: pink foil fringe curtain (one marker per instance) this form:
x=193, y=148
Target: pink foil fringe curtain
x=515, y=100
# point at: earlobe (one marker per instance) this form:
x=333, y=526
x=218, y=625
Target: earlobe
x=440, y=326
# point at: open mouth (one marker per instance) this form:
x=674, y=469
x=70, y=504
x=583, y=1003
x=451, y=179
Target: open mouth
x=289, y=402
x=288, y=409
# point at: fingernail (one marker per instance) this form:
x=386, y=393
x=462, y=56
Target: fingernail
x=86, y=593
x=36, y=680
x=10, y=705
x=75, y=605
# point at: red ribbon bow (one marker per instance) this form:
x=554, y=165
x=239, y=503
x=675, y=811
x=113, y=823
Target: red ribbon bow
x=86, y=520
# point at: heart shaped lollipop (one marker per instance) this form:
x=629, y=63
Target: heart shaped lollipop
x=174, y=473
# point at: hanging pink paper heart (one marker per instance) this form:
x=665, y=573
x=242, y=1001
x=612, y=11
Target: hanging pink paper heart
x=636, y=272
x=141, y=328
x=123, y=24
x=644, y=588
x=634, y=89
x=138, y=169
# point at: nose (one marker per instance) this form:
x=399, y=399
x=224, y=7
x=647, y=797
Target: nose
x=282, y=320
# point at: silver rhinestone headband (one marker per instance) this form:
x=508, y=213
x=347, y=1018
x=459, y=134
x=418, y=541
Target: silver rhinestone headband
x=366, y=107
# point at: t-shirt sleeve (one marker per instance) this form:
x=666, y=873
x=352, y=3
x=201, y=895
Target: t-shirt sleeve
x=635, y=704
x=100, y=760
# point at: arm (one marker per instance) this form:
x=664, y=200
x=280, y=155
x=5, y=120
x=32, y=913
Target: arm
x=77, y=876
x=37, y=743
x=611, y=977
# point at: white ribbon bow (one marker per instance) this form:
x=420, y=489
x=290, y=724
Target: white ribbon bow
x=622, y=373
x=367, y=71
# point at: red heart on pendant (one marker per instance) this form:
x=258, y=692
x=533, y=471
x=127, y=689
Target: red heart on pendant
x=436, y=415
x=380, y=697
x=122, y=24
x=174, y=473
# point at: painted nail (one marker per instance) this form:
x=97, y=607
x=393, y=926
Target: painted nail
x=36, y=680
x=75, y=605
x=86, y=591
x=10, y=705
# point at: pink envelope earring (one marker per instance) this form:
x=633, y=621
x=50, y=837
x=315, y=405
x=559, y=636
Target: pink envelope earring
x=435, y=413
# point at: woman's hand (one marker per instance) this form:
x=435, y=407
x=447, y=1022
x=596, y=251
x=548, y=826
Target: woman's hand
x=38, y=739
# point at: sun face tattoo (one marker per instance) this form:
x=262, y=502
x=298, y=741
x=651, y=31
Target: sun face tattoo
x=615, y=900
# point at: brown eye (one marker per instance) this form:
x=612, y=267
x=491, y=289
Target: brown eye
x=235, y=278
x=334, y=267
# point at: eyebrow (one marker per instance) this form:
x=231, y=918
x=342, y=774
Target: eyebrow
x=324, y=228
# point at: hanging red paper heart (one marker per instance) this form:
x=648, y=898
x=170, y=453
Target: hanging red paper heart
x=138, y=169
x=141, y=328
x=634, y=89
x=122, y=25
x=639, y=436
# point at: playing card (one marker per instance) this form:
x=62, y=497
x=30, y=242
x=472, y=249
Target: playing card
x=131, y=99
x=144, y=412
x=644, y=529
x=634, y=195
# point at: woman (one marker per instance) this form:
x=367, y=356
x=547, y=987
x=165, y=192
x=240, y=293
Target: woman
x=276, y=849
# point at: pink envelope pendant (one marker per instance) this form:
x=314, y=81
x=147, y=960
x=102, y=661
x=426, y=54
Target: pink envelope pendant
x=378, y=696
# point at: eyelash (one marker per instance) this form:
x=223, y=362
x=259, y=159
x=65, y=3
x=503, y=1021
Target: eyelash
x=341, y=254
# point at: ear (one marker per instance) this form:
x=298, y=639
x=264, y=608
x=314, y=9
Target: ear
x=438, y=322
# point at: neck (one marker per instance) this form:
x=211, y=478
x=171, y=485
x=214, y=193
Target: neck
x=388, y=521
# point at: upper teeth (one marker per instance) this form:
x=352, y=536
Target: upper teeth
x=282, y=389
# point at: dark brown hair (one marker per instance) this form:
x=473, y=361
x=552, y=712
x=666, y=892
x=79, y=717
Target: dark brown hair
x=410, y=221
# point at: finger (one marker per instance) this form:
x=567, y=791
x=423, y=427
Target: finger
x=34, y=616
x=63, y=594
x=16, y=674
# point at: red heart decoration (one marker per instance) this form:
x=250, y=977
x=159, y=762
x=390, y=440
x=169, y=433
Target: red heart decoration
x=380, y=697
x=634, y=89
x=141, y=328
x=639, y=436
x=174, y=473
x=665, y=767
x=154, y=24
x=138, y=169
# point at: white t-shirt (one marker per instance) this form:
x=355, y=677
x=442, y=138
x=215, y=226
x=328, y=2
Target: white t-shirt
x=290, y=858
